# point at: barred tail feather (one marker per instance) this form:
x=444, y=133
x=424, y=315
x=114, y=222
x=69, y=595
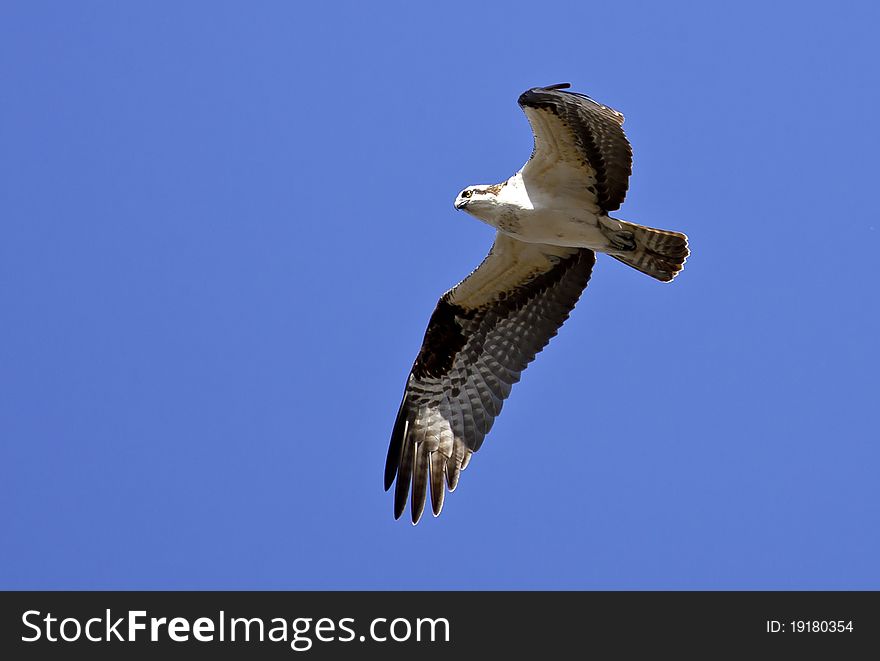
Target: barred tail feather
x=658, y=253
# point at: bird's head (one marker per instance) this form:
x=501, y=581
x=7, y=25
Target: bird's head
x=479, y=201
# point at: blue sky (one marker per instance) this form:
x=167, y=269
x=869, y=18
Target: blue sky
x=225, y=225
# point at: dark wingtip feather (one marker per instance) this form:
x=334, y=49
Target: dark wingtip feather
x=437, y=468
x=395, y=447
x=467, y=459
x=404, y=473
x=535, y=95
x=419, y=483
x=453, y=472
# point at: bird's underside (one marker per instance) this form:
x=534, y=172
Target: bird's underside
x=488, y=328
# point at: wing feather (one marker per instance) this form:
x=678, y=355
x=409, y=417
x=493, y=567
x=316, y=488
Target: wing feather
x=437, y=467
x=453, y=467
x=482, y=335
x=467, y=459
x=420, y=480
x=404, y=472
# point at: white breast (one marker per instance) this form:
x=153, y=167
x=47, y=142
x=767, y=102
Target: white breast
x=535, y=214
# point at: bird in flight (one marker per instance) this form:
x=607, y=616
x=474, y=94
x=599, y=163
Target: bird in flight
x=551, y=218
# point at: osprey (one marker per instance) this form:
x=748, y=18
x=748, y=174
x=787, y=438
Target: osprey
x=551, y=218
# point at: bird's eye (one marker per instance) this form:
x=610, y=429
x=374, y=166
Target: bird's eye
x=466, y=194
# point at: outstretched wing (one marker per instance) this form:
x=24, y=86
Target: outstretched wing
x=579, y=145
x=480, y=338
